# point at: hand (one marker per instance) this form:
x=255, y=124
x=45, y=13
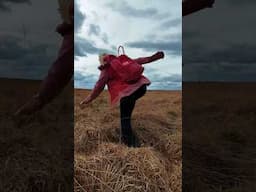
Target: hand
x=210, y=3
x=30, y=107
x=160, y=54
x=83, y=104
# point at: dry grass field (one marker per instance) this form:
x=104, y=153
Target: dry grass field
x=103, y=164
x=218, y=141
x=36, y=152
x=219, y=121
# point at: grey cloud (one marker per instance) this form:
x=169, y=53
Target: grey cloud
x=124, y=8
x=78, y=76
x=158, y=82
x=235, y=62
x=17, y=61
x=190, y=34
x=28, y=41
x=171, y=78
x=5, y=6
x=105, y=38
x=113, y=47
x=94, y=30
x=151, y=36
x=239, y=2
x=219, y=43
x=219, y=72
x=79, y=17
x=169, y=46
x=10, y=49
x=234, y=53
x=171, y=23
x=173, y=37
x=165, y=86
x=84, y=47
x=84, y=80
x=169, y=37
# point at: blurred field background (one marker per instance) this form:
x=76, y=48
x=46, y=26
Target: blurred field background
x=219, y=121
x=36, y=152
x=103, y=164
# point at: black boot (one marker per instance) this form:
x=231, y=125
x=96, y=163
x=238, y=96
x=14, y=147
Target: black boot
x=130, y=139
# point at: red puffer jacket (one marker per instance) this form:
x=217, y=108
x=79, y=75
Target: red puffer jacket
x=117, y=88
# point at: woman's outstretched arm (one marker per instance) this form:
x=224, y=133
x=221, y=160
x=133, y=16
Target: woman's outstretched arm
x=156, y=56
x=98, y=88
x=191, y=6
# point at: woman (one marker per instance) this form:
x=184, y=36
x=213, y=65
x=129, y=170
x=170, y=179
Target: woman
x=121, y=92
x=61, y=70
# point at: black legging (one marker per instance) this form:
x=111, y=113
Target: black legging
x=127, y=105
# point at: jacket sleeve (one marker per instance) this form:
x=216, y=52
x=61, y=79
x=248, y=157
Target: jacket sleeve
x=144, y=60
x=59, y=75
x=191, y=6
x=99, y=86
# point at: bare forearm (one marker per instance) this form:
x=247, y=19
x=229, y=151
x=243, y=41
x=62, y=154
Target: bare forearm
x=94, y=94
x=98, y=88
x=57, y=78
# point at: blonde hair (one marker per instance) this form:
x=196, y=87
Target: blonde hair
x=65, y=10
x=101, y=56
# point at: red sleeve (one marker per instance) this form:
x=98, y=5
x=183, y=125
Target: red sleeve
x=191, y=6
x=144, y=60
x=99, y=86
x=59, y=74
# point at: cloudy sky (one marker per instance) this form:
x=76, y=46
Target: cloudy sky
x=142, y=27
x=219, y=44
x=28, y=41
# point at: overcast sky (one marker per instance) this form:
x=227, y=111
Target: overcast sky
x=219, y=44
x=28, y=41
x=141, y=26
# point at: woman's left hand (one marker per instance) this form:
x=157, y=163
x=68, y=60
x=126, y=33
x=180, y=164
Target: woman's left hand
x=83, y=104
